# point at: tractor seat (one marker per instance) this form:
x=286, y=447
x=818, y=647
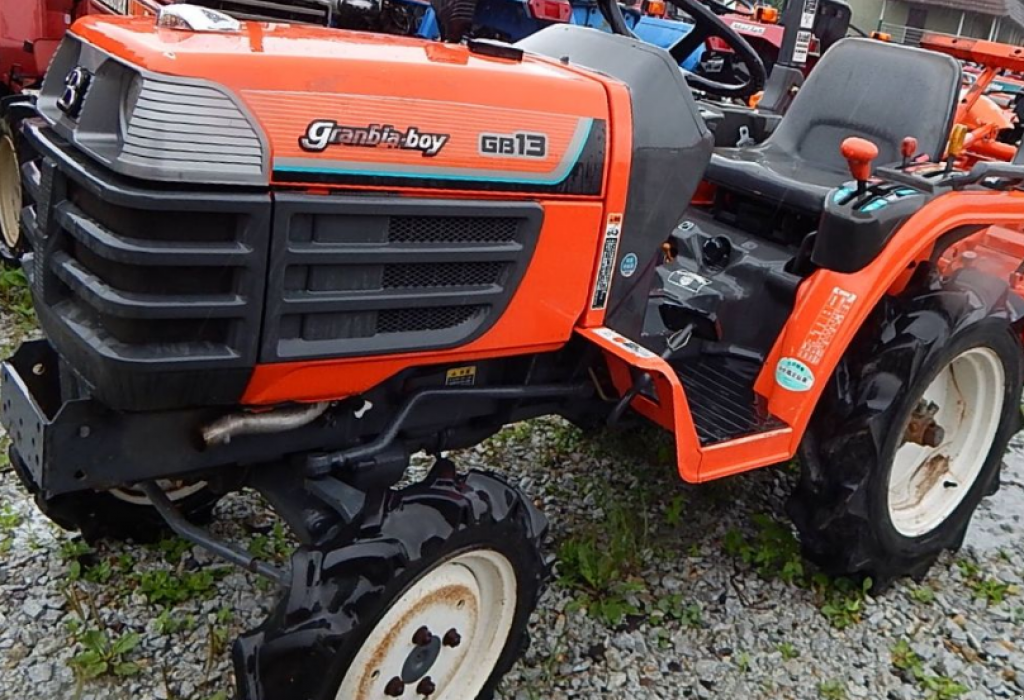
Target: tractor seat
x=861, y=87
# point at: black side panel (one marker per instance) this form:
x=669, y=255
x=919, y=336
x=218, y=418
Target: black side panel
x=357, y=276
x=671, y=150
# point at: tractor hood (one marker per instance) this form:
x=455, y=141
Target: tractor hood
x=284, y=104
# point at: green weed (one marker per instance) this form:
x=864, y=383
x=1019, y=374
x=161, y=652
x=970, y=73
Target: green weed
x=169, y=588
x=991, y=590
x=912, y=668
x=273, y=546
x=15, y=296
x=832, y=690
x=103, y=655
x=788, y=651
x=774, y=553
x=923, y=594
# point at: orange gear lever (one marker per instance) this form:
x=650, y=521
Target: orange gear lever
x=861, y=155
x=908, y=149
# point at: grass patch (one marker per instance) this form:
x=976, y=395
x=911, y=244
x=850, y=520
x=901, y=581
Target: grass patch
x=832, y=690
x=9, y=522
x=773, y=551
x=602, y=564
x=788, y=651
x=991, y=590
x=104, y=654
x=923, y=595
x=912, y=669
x=273, y=546
x=15, y=297
x=163, y=587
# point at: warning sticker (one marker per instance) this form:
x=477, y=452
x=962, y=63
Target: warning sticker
x=461, y=376
x=690, y=281
x=609, y=252
x=627, y=344
x=826, y=326
x=810, y=13
x=803, y=47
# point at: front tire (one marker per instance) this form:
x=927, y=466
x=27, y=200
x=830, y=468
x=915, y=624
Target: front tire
x=911, y=434
x=437, y=598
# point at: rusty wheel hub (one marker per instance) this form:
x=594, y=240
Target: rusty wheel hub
x=443, y=637
x=946, y=442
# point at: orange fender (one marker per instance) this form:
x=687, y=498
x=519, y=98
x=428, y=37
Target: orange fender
x=832, y=307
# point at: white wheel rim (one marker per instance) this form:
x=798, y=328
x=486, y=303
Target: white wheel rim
x=927, y=484
x=10, y=193
x=473, y=594
x=175, y=490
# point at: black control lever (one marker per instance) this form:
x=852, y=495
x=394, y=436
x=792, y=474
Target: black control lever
x=677, y=342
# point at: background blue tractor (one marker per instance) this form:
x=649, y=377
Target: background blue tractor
x=512, y=20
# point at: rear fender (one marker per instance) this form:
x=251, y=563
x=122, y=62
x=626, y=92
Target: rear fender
x=831, y=307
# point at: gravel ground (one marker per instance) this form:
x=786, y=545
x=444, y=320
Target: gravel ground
x=707, y=602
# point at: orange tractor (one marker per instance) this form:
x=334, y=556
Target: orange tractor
x=247, y=280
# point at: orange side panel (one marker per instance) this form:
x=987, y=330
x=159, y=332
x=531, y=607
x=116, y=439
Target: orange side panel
x=539, y=318
x=831, y=307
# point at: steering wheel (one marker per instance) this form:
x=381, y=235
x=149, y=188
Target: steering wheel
x=706, y=25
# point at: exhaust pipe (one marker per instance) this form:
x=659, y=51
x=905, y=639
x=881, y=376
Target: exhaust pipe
x=222, y=430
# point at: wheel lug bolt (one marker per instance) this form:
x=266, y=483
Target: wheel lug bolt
x=422, y=637
x=934, y=436
x=452, y=639
x=394, y=688
x=426, y=687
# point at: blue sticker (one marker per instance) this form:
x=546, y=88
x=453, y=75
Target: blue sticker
x=794, y=375
x=629, y=265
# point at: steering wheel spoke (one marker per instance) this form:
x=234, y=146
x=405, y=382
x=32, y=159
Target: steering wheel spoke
x=707, y=24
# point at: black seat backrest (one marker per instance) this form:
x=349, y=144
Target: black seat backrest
x=879, y=91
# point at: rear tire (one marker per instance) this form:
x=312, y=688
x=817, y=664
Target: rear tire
x=875, y=498
x=454, y=552
x=12, y=242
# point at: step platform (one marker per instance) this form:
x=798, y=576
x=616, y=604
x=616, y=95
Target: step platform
x=720, y=391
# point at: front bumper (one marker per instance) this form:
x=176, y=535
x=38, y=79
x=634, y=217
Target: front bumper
x=61, y=445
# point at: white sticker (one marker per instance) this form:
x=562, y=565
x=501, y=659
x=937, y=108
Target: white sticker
x=749, y=28
x=810, y=13
x=826, y=326
x=609, y=253
x=803, y=47
x=690, y=281
x=626, y=344
x=794, y=375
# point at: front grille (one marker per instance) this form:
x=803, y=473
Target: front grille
x=437, y=319
x=452, y=229
x=291, y=11
x=363, y=276
x=443, y=275
x=155, y=297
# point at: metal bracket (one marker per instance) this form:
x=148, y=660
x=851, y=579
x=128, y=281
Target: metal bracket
x=204, y=539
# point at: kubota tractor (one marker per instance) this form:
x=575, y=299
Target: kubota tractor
x=249, y=280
